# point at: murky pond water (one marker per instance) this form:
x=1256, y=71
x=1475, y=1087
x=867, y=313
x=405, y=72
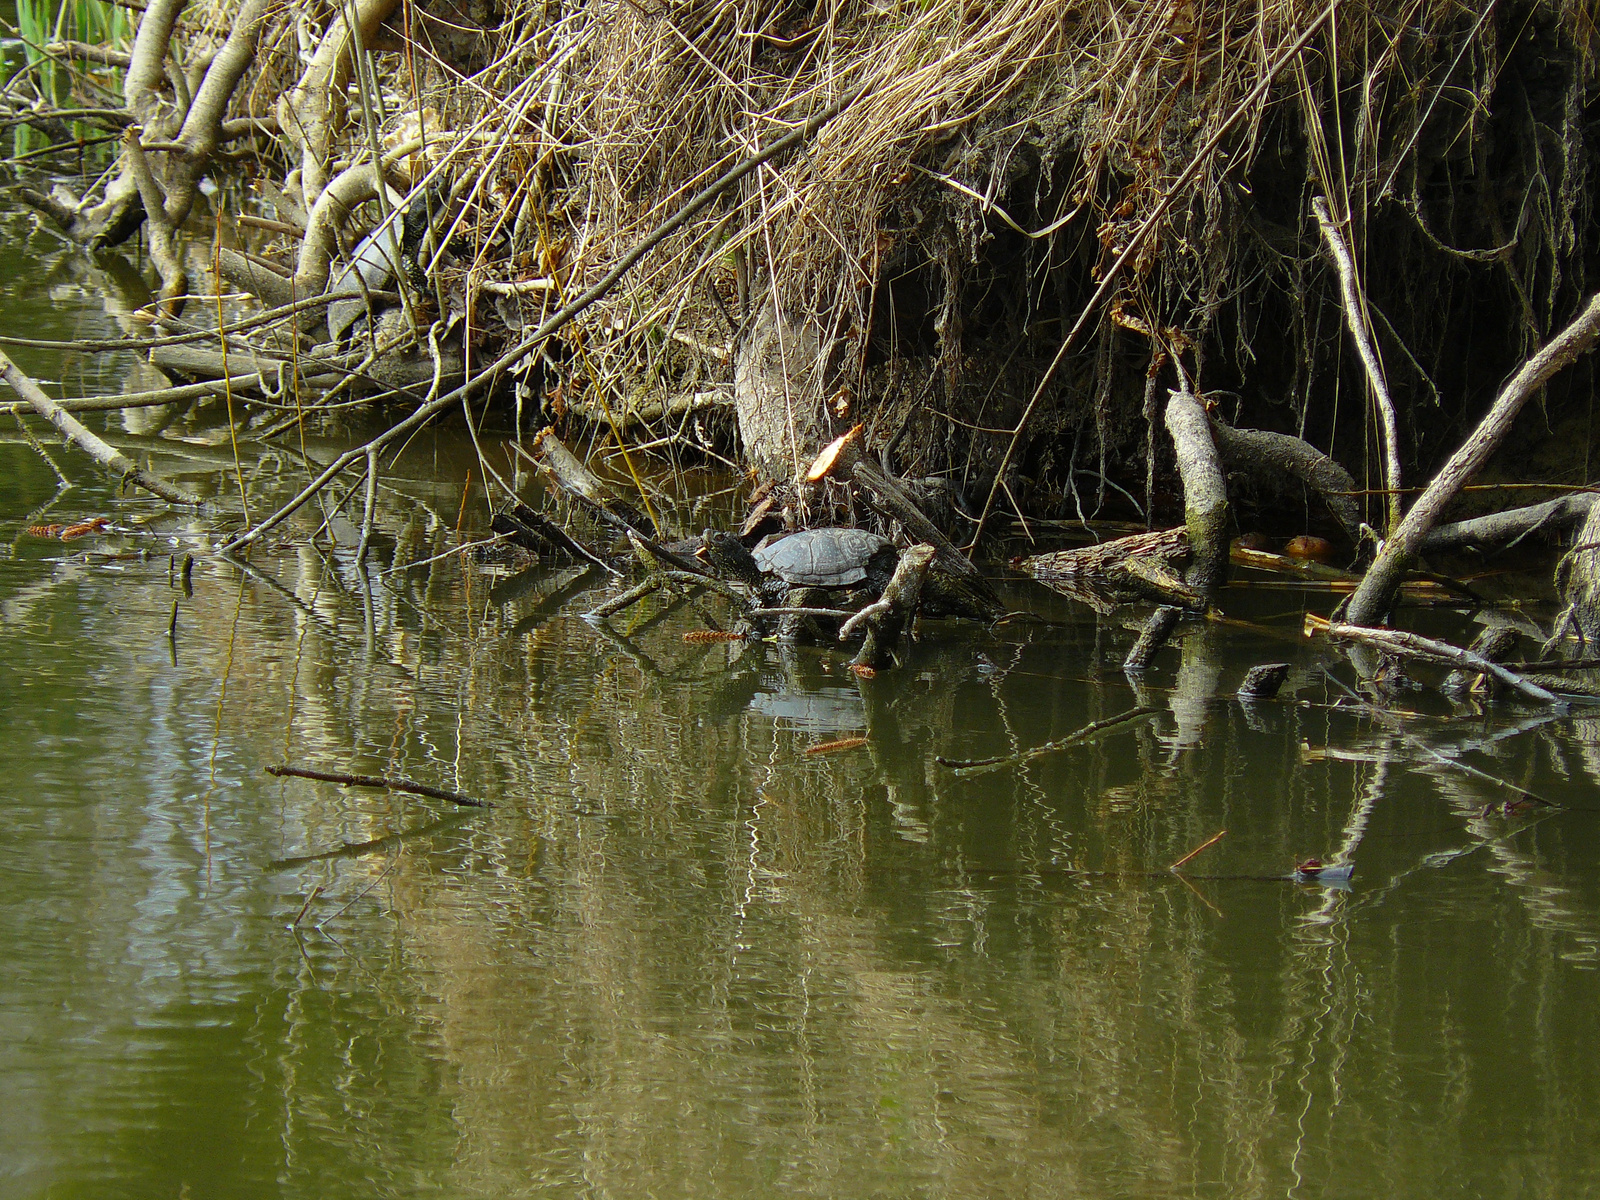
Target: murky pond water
x=685, y=957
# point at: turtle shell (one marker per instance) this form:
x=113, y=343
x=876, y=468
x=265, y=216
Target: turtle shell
x=822, y=557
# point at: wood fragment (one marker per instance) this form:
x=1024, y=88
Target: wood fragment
x=845, y=743
x=573, y=476
x=1078, y=737
x=838, y=454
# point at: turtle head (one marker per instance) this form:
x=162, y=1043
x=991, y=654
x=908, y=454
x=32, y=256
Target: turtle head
x=729, y=557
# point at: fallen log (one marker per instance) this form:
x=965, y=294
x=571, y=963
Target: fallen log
x=1271, y=456
x=1263, y=681
x=75, y=432
x=1414, y=645
x=1502, y=530
x=1376, y=593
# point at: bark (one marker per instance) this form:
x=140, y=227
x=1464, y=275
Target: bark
x=781, y=376
x=1205, y=493
x=1502, y=530
x=1271, y=456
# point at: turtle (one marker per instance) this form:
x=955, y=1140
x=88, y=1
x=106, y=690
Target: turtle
x=805, y=569
x=829, y=558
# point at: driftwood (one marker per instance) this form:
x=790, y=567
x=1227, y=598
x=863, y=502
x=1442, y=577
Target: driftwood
x=1271, y=456
x=888, y=617
x=1503, y=530
x=1413, y=645
x=75, y=432
x=1205, y=492
x=1376, y=594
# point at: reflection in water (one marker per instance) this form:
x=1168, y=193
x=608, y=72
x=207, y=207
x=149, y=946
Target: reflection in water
x=683, y=957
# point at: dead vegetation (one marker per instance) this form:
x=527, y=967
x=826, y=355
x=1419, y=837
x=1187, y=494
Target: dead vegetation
x=993, y=234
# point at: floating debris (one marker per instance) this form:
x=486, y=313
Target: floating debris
x=849, y=743
x=1314, y=870
x=67, y=533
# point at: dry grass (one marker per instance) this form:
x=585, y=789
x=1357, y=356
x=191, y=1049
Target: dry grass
x=946, y=227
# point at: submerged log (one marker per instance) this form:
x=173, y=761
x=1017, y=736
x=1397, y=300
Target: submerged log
x=1263, y=681
x=1158, y=628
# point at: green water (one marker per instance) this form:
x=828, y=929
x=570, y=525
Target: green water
x=682, y=957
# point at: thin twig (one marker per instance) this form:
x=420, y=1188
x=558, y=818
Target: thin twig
x=390, y=782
